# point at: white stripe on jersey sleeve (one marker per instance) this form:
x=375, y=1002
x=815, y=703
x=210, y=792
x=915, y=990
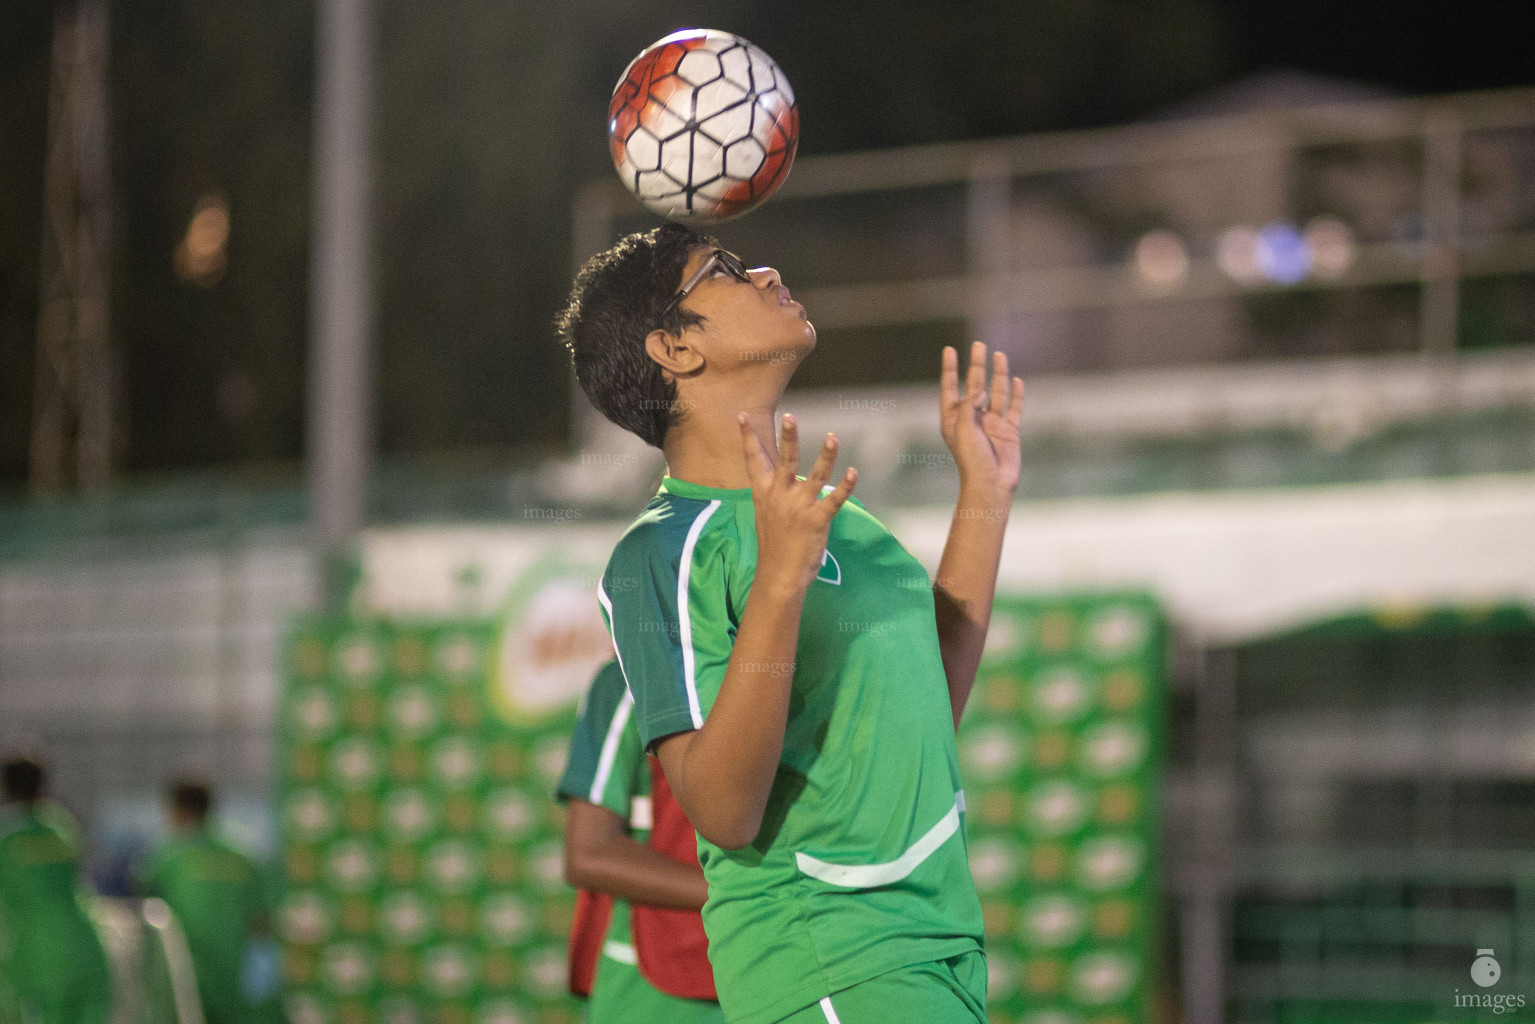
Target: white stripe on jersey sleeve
x=610, y=745
x=607, y=606
x=689, y=679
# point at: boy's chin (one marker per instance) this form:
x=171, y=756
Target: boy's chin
x=805, y=339
x=791, y=350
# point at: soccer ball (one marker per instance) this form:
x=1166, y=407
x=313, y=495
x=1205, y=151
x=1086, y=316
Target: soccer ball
x=702, y=126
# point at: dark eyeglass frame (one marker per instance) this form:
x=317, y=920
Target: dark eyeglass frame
x=717, y=258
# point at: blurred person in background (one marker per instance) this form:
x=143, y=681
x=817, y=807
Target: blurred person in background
x=637, y=946
x=216, y=893
x=51, y=953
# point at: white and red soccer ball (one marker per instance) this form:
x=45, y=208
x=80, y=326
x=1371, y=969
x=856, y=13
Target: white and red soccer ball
x=702, y=126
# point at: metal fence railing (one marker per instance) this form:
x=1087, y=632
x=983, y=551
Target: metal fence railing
x=1350, y=228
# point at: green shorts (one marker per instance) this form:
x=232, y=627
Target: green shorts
x=621, y=995
x=951, y=991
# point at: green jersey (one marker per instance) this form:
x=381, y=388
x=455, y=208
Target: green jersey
x=54, y=958
x=606, y=767
x=861, y=865
x=216, y=894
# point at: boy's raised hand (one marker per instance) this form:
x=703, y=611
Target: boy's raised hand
x=980, y=425
x=792, y=517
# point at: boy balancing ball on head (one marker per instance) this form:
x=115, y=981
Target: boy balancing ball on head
x=791, y=665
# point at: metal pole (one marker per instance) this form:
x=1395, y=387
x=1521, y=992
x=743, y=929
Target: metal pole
x=97, y=388
x=1206, y=911
x=341, y=287
x=73, y=415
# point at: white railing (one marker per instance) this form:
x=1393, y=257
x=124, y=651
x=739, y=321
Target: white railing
x=148, y=953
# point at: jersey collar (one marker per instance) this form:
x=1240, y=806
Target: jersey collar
x=683, y=489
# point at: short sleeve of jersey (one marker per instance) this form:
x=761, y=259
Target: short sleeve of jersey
x=666, y=597
x=605, y=749
x=150, y=880
x=253, y=892
x=57, y=817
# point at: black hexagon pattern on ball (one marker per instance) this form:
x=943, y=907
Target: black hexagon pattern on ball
x=688, y=190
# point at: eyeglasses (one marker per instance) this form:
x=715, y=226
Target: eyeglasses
x=730, y=262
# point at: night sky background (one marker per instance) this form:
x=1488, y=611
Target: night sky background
x=488, y=114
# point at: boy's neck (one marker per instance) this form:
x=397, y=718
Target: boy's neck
x=704, y=447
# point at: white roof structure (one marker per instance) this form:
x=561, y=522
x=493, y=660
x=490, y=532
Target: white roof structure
x=1229, y=566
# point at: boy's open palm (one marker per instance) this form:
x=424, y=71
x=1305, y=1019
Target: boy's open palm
x=980, y=424
x=792, y=517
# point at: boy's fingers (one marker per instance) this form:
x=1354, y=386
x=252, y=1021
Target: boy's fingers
x=975, y=376
x=834, y=501
x=1015, y=407
x=948, y=378
x=821, y=471
x=757, y=465
x=999, y=383
x=788, y=449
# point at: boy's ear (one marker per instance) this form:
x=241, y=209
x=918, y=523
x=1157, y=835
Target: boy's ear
x=672, y=354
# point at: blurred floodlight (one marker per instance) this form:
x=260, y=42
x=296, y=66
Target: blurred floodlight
x=1237, y=254
x=202, y=254
x=1332, y=246
x=1282, y=253
x=1161, y=259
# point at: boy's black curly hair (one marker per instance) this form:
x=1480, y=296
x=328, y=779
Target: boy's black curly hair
x=616, y=301
x=21, y=779
x=191, y=795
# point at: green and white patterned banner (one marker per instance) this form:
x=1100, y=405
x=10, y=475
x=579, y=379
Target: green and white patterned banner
x=423, y=849
x=1060, y=751
x=421, y=843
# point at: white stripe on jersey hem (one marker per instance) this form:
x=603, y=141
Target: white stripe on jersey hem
x=868, y=876
x=620, y=951
x=830, y=1011
x=689, y=679
x=641, y=813
x=610, y=745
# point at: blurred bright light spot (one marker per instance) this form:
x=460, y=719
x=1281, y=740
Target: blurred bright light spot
x=1332, y=246
x=1282, y=253
x=201, y=257
x=157, y=913
x=1237, y=254
x=1161, y=259
x=208, y=231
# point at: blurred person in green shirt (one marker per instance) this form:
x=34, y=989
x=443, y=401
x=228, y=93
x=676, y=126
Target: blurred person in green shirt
x=49, y=950
x=215, y=891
